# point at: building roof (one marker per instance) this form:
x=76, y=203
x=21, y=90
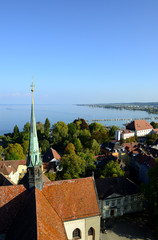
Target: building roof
x=4, y=181
x=37, y=219
x=139, y=125
x=146, y=160
x=8, y=166
x=119, y=185
x=72, y=199
x=51, y=154
x=33, y=214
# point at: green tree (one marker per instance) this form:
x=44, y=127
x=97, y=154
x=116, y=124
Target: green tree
x=70, y=148
x=99, y=133
x=26, y=128
x=151, y=195
x=40, y=130
x=47, y=128
x=85, y=137
x=44, y=145
x=73, y=166
x=78, y=145
x=51, y=176
x=150, y=138
x=95, y=147
x=16, y=134
x=95, y=127
x=59, y=132
x=154, y=124
x=112, y=169
x=14, y=152
x=72, y=128
x=81, y=124
x=89, y=159
x=1, y=152
x=25, y=145
x=112, y=131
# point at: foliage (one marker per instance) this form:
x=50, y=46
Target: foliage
x=128, y=140
x=98, y=132
x=112, y=131
x=25, y=146
x=95, y=147
x=78, y=145
x=47, y=128
x=51, y=176
x=73, y=166
x=26, y=128
x=72, y=128
x=44, y=145
x=154, y=124
x=16, y=134
x=150, y=138
x=89, y=162
x=85, y=138
x=1, y=152
x=151, y=194
x=112, y=169
x=81, y=124
x=59, y=132
x=40, y=127
x=70, y=148
x=14, y=152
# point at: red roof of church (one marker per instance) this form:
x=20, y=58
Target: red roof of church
x=36, y=214
x=72, y=199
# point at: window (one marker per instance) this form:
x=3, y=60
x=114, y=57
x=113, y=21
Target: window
x=118, y=201
x=76, y=233
x=107, y=213
x=113, y=203
x=107, y=203
x=118, y=211
x=91, y=232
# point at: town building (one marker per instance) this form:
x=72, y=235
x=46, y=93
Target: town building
x=14, y=170
x=140, y=127
x=136, y=128
x=59, y=210
x=51, y=160
x=118, y=196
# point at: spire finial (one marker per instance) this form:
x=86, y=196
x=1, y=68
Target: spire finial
x=32, y=86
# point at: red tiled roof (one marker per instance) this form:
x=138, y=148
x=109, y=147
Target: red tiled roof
x=6, y=167
x=72, y=199
x=49, y=224
x=5, y=181
x=11, y=199
x=55, y=154
x=139, y=125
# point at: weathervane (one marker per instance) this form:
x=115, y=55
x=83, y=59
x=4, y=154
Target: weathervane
x=32, y=86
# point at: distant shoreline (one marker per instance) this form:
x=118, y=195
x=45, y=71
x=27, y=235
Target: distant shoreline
x=147, y=107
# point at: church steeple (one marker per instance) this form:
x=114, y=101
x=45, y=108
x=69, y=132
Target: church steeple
x=34, y=163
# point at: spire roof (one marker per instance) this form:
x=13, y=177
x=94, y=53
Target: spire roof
x=34, y=158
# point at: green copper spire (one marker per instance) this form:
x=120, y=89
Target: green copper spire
x=34, y=163
x=34, y=158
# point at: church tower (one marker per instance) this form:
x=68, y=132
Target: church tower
x=34, y=162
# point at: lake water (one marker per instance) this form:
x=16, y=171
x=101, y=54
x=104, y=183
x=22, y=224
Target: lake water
x=11, y=115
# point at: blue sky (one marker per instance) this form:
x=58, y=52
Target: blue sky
x=83, y=51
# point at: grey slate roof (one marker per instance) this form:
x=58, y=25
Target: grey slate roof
x=119, y=185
